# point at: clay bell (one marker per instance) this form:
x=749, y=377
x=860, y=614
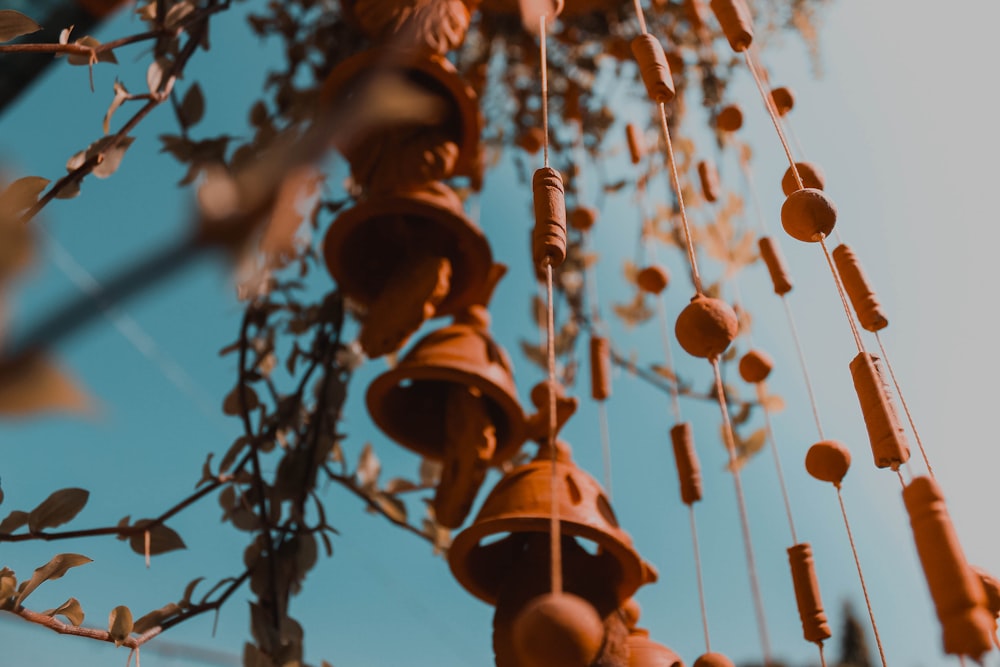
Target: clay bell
x=438, y=26
x=402, y=117
x=381, y=251
x=643, y=651
x=520, y=505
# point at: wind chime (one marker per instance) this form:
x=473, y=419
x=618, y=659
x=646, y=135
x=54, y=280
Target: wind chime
x=406, y=253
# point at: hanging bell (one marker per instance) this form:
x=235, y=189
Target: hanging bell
x=437, y=26
x=407, y=257
x=643, y=651
x=402, y=117
x=452, y=398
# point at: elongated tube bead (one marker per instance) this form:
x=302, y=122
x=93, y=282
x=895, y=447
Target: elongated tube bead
x=888, y=440
x=814, y=624
x=736, y=22
x=775, y=265
x=653, y=67
x=862, y=296
x=958, y=594
x=548, y=239
x=600, y=368
x=709, y=177
x=688, y=468
x=635, y=146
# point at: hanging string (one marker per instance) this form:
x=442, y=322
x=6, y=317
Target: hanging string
x=822, y=658
x=545, y=88
x=639, y=15
x=730, y=442
x=675, y=403
x=752, y=188
x=556, y=543
x=899, y=474
x=774, y=117
x=906, y=408
x=802, y=364
x=761, y=396
x=701, y=582
x=676, y=181
x=843, y=294
x=861, y=576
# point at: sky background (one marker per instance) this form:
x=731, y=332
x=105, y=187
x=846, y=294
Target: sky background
x=902, y=122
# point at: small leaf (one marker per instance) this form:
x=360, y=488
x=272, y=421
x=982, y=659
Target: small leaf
x=22, y=194
x=122, y=525
x=154, y=76
x=112, y=157
x=121, y=94
x=192, y=108
x=54, y=569
x=33, y=384
x=399, y=485
x=70, y=609
x=369, y=467
x=90, y=42
x=161, y=539
x=430, y=472
x=155, y=618
x=15, y=24
x=189, y=591
x=774, y=403
x=14, y=520
x=57, y=509
x=231, y=405
x=120, y=624
x=391, y=506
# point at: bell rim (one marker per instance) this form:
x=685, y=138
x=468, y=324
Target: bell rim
x=433, y=65
x=382, y=385
x=466, y=281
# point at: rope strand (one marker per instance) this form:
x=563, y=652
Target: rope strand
x=701, y=582
x=556, y=543
x=861, y=576
x=777, y=461
x=675, y=180
x=774, y=118
x=543, y=48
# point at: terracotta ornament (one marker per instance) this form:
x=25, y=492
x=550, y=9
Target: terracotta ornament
x=583, y=218
x=957, y=592
x=600, y=368
x=548, y=239
x=636, y=149
x=866, y=305
x=642, y=651
x=888, y=440
x=706, y=327
x=686, y=458
x=730, y=118
x=406, y=257
x=713, y=660
x=776, y=267
x=828, y=461
x=811, y=174
x=755, y=366
x=708, y=175
x=807, y=597
x=736, y=21
x=653, y=279
x=434, y=25
x=558, y=630
x=783, y=100
x=808, y=213
x=653, y=68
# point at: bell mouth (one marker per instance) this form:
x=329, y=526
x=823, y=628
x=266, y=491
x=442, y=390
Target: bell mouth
x=429, y=71
x=366, y=244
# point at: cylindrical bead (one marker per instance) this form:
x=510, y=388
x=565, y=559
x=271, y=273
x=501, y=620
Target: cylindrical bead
x=709, y=177
x=688, y=468
x=600, y=368
x=549, y=237
x=888, y=440
x=814, y=625
x=736, y=21
x=862, y=296
x=653, y=67
x=783, y=100
x=775, y=265
x=958, y=594
x=635, y=145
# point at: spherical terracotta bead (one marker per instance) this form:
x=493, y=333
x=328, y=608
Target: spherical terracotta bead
x=808, y=213
x=730, y=118
x=755, y=366
x=706, y=327
x=582, y=218
x=558, y=630
x=811, y=174
x=783, y=99
x=713, y=660
x=653, y=279
x=828, y=461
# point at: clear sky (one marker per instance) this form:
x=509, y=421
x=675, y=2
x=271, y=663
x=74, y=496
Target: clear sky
x=902, y=122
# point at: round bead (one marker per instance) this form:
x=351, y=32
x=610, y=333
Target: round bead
x=582, y=218
x=706, y=327
x=713, y=660
x=808, y=213
x=811, y=174
x=558, y=630
x=783, y=99
x=828, y=461
x=730, y=118
x=531, y=139
x=755, y=366
x=653, y=279
x=631, y=611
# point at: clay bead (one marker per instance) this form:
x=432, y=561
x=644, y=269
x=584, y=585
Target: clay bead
x=635, y=144
x=709, y=177
x=755, y=366
x=808, y=213
x=558, y=630
x=582, y=218
x=653, y=279
x=775, y=265
x=811, y=174
x=807, y=597
x=828, y=461
x=653, y=68
x=531, y=139
x=600, y=368
x=686, y=458
x=860, y=292
x=783, y=100
x=548, y=239
x=886, y=434
x=736, y=21
x=713, y=660
x=730, y=118
x=706, y=327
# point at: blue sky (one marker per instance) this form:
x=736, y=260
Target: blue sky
x=901, y=122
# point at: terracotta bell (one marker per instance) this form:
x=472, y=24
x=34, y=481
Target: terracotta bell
x=438, y=139
x=643, y=651
x=407, y=257
x=452, y=398
x=438, y=26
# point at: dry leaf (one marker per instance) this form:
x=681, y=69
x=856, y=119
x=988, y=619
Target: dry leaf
x=54, y=569
x=70, y=609
x=120, y=624
x=33, y=384
x=15, y=24
x=59, y=508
